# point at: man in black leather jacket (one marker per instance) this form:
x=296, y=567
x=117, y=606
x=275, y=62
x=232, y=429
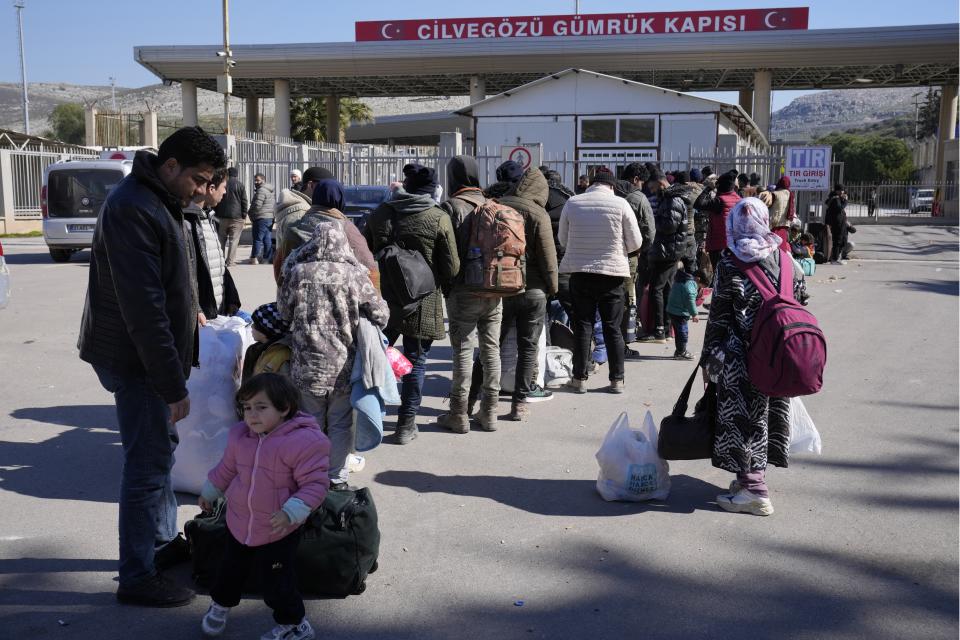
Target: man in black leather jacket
x=139, y=331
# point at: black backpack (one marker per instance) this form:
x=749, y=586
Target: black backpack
x=339, y=545
x=405, y=276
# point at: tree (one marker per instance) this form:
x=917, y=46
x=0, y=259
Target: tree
x=67, y=123
x=308, y=117
x=928, y=120
x=871, y=158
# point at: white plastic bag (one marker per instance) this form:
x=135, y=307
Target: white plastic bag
x=804, y=437
x=559, y=365
x=508, y=360
x=630, y=468
x=203, y=433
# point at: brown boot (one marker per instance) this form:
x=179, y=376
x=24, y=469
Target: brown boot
x=488, y=415
x=456, y=419
x=518, y=411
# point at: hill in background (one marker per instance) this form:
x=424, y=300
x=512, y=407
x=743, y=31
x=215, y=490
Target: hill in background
x=805, y=118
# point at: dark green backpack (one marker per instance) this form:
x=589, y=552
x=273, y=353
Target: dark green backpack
x=339, y=545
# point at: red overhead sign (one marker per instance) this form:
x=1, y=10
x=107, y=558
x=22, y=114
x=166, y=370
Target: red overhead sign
x=606, y=24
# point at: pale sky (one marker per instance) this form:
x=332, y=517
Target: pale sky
x=86, y=42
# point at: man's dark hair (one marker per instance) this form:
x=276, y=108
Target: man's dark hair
x=279, y=390
x=743, y=180
x=635, y=170
x=232, y=172
x=259, y=175
x=681, y=176
x=191, y=147
x=754, y=179
x=838, y=188
x=583, y=177
x=218, y=176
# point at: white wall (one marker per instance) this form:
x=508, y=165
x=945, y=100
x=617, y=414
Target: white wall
x=679, y=132
x=557, y=134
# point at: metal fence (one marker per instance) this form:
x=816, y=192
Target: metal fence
x=119, y=129
x=21, y=177
x=352, y=164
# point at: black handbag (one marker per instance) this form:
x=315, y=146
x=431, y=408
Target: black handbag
x=683, y=438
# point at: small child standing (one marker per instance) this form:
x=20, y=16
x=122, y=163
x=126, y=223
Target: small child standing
x=271, y=351
x=682, y=306
x=273, y=473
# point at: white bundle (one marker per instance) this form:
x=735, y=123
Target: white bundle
x=203, y=433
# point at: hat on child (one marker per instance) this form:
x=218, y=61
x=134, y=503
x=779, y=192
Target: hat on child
x=267, y=320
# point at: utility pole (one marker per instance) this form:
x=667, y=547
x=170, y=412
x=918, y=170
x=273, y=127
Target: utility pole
x=227, y=63
x=113, y=93
x=916, y=116
x=577, y=7
x=18, y=4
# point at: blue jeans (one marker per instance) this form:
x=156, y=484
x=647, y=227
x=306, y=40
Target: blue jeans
x=411, y=385
x=148, y=506
x=681, y=332
x=261, y=238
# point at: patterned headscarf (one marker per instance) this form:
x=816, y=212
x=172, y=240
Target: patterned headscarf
x=748, y=231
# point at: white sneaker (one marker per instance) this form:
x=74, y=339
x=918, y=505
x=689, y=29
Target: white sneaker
x=744, y=501
x=355, y=463
x=302, y=631
x=215, y=620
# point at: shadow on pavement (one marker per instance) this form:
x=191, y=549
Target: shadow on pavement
x=555, y=497
x=81, y=463
x=84, y=416
x=944, y=287
x=79, y=258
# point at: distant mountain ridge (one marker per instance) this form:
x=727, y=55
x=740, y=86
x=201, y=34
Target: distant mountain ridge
x=804, y=118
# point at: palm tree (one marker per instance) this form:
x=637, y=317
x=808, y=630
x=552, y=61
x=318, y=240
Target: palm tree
x=308, y=117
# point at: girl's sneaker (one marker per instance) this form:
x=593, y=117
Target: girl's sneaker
x=215, y=620
x=744, y=501
x=302, y=631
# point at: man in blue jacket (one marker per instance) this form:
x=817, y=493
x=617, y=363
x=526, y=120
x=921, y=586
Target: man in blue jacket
x=139, y=331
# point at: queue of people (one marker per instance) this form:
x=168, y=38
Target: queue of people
x=596, y=254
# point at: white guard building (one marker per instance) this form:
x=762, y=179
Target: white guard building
x=587, y=117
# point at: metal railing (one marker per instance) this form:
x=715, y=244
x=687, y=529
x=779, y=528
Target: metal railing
x=21, y=178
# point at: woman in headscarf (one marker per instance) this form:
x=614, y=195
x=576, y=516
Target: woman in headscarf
x=783, y=210
x=327, y=205
x=324, y=290
x=752, y=430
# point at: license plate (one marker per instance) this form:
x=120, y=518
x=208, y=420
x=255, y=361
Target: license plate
x=79, y=228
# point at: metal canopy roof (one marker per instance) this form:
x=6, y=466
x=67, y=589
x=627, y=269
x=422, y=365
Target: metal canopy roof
x=903, y=56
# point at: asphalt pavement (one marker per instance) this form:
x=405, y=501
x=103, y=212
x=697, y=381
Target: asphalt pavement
x=503, y=535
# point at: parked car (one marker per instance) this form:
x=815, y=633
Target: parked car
x=4, y=280
x=71, y=196
x=361, y=200
x=922, y=201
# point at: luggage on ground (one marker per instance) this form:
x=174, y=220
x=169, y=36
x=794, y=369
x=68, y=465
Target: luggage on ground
x=683, y=438
x=339, y=545
x=630, y=468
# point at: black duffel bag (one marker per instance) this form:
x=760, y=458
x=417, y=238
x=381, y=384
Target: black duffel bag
x=683, y=438
x=339, y=545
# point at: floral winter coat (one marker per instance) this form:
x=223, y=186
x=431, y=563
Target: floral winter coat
x=258, y=474
x=323, y=292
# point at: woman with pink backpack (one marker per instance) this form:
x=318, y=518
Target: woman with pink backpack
x=752, y=428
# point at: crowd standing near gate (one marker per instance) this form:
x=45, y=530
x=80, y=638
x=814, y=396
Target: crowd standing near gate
x=512, y=266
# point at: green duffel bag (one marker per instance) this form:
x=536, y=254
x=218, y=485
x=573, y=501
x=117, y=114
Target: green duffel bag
x=339, y=545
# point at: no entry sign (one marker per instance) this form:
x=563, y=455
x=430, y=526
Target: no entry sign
x=605, y=24
x=808, y=168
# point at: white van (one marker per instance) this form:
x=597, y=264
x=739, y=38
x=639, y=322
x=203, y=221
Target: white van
x=72, y=194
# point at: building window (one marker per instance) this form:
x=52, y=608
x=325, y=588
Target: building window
x=638, y=130
x=619, y=131
x=598, y=131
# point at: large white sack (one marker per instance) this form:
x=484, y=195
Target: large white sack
x=203, y=433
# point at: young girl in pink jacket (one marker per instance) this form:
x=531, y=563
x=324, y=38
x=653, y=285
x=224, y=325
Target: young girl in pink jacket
x=273, y=474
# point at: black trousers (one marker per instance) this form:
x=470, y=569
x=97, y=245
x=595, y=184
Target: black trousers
x=274, y=563
x=525, y=313
x=839, y=234
x=592, y=293
x=661, y=277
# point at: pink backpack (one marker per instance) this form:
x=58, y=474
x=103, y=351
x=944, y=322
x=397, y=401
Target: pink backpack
x=787, y=352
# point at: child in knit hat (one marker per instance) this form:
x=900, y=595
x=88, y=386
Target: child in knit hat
x=271, y=351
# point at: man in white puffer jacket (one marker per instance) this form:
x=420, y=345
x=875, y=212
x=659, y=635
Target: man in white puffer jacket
x=599, y=232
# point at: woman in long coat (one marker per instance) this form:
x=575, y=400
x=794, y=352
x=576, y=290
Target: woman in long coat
x=752, y=429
